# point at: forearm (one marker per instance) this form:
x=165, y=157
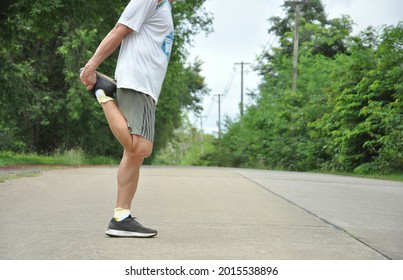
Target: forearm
x=108, y=45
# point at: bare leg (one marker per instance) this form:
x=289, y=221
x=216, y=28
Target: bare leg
x=117, y=123
x=128, y=177
x=136, y=148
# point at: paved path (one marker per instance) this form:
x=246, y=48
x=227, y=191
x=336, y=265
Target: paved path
x=203, y=213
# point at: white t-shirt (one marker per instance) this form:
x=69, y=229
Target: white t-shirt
x=144, y=53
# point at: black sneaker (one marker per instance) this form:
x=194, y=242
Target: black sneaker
x=128, y=227
x=107, y=84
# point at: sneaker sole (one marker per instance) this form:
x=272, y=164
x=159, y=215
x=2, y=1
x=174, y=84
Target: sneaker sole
x=121, y=233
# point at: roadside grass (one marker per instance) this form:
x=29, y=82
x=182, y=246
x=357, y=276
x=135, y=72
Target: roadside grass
x=395, y=176
x=392, y=176
x=78, y=158
x=72, y=157
x=11, y=176
x=13, y=165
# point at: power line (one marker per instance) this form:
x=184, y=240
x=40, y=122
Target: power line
x=271, y=40
x=210, y=107
x=220, y=99
x=224, y=94
x=229, y=82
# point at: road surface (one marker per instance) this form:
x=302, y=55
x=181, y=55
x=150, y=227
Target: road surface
x=203, y=214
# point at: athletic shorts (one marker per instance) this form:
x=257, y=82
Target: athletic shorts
x=139, y=110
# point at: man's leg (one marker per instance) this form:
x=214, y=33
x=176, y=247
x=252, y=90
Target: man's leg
x=128, y=177
x=129, y=171
x=136, y=148
x=117, y=123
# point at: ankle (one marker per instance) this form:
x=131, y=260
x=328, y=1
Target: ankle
x=121, y=214
x=101, y=97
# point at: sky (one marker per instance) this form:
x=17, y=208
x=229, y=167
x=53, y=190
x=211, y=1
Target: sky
x=240, y=34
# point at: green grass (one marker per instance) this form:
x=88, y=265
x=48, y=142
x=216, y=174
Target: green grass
x=11, y=176
x=72, y=157
x=395, y=176
x=27, y=165
x=392, y=176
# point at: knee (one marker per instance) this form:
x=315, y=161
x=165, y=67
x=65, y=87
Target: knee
x=144, y=151
x=140, y=148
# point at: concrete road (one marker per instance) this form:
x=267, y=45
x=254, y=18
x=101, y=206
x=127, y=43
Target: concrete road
x=203, y=213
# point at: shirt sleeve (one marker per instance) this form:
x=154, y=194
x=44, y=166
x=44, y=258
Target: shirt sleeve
x=137, y=12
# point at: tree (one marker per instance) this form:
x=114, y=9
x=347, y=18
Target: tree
x=346, y=114
x=277, y=131
x=365, y=117
x=44, y=43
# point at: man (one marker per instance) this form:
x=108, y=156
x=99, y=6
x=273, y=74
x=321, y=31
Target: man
x=145, y=32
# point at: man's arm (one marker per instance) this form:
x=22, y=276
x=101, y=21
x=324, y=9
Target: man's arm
x=108, y=45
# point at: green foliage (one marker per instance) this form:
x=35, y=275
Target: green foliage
x=187, y=147
x=43, y=44
x=347, y=112
x=365, y=116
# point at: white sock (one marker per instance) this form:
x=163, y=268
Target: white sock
x=121, y=214
x=101, y=97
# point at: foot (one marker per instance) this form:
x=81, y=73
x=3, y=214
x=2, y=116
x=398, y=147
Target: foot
x=128, y=227
x=108, y=85
x=103, y=83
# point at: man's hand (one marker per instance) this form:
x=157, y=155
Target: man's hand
x=88, y=77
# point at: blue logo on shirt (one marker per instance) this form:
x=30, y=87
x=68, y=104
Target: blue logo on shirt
x=167, y=45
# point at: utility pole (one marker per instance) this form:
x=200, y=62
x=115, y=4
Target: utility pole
x=242, y=71
x=201, y=135
x=219, y=115
x=296, y=45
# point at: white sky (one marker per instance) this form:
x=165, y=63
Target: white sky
x=240, y=34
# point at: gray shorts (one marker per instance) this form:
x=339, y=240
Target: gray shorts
x=139, y=110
